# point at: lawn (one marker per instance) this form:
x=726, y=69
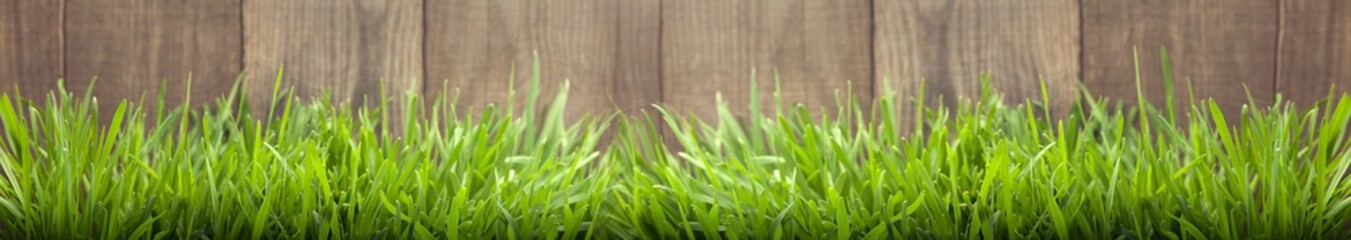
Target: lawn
x=984, y=168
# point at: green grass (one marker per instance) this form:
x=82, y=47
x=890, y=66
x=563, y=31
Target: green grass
x=980, y=169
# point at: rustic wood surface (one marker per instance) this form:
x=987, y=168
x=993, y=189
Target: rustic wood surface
x=947, y=45
x=605, y=49
x=628, y=55
x=132, y=46
x=1314, y=52
x=638, y=78
x=31, y=46
x=817, y=47
x=1220, y=46
x=352, y=49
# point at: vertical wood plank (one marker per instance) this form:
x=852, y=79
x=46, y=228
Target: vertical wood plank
x=604, y=48
x=638, y=63
x=1315, y=49
x=30, y=46
x=350, y=48
x=947, y=45
x=131, y=46
x=711, y=46
x=1221, y=46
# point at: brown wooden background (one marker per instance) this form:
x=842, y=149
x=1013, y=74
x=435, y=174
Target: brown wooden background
x=627, y=54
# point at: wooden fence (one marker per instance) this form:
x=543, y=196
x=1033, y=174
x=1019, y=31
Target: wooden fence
x=627, y=54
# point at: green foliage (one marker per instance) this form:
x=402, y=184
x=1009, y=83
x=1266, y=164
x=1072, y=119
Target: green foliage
x=982, y=169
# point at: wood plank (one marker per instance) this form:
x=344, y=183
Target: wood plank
x=131, y=46
x=1221, y=46
x=350, y=48
x=638, y=63
x=1314, y=51
x=711, y=46
x=30, y=46
x=605, y=48
x=947, y=45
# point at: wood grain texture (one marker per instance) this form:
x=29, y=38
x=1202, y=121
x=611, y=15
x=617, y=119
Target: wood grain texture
x=606, y=49
x=818, y=47
x=1221, y=46
x=1315, y=49
x=131, y=46
x=350, y=48
x=638, y=65
x=30, y=46
x=947, y=45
